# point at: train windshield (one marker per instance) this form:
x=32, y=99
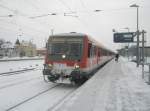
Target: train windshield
x=68, y=48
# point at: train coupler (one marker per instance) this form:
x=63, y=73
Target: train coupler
x=53, y=78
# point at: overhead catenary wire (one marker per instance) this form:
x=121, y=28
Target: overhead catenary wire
x=24, y=26
x=83, y=4
x=9, y=15
x=65, y=5
x=14, y=31
x=15, y=11
x=69, y=13
x=31, y=4
x=74, y=13
x=4, y=7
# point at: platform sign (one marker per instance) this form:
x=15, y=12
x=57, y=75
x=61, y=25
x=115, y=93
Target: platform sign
x=124, y=37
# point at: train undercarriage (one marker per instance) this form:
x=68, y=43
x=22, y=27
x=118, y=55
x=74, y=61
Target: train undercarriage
x=76, y=77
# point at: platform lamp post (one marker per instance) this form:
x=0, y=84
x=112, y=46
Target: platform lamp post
x=128, y=42
x=137, y=55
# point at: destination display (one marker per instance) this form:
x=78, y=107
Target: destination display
x=124, y=37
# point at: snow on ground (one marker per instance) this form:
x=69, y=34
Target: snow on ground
x=12, y=93
x=27, y=91
x=19, y=79
x=30, y=95
x=46, y=100
x=116, y=87
x=8, y=66
x=20, y=58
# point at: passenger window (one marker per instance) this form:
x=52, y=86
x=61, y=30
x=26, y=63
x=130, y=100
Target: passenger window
x=95, y=51
x=98, y=52
x=92, y=51
x=89, y=49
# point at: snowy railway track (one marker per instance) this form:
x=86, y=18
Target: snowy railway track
x=26, y=100
x=16, y=72
x=45, y=100
x=60, y=101
x=20, y=82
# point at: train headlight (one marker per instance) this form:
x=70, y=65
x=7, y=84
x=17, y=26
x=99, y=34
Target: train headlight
x=63, y=56
x=77, y=66
x=50, y=65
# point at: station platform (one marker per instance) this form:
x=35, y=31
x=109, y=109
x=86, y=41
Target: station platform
x=118, y=86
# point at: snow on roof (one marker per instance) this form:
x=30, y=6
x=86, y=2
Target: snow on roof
x=69, y=34
x=7, y=45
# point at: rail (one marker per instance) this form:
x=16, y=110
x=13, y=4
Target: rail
x=16, y=72
x=23, y=59
x=36, y=95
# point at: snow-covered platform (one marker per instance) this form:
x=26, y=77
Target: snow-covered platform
x=118, y=86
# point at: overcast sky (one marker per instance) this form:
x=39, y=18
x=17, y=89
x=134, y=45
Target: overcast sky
x=114, y=14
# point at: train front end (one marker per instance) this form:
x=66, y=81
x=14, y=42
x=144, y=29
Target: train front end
x=64, y=58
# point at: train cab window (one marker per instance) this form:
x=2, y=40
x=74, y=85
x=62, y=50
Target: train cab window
x=75, y=49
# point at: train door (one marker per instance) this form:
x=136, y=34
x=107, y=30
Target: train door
x=98, y=54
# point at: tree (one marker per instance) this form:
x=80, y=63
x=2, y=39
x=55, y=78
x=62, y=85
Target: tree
x=17, y=42
x=2, y=41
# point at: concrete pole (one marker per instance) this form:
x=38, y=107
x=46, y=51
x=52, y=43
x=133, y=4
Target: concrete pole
x=137, y=36
x=149, y=76
x=128, y=43
x=143, y=53
x=52, y=31
x=137, y=52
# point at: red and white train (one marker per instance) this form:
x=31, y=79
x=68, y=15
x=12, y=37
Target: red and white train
x=72, y=57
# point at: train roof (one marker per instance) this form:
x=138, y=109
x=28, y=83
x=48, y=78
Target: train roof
x=69, y=34
x=74, y=34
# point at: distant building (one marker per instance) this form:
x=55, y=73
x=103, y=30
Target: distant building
x=146, y=51
x=41, y=51
x=7, y=49
x=133, y=50
x=25, y=48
